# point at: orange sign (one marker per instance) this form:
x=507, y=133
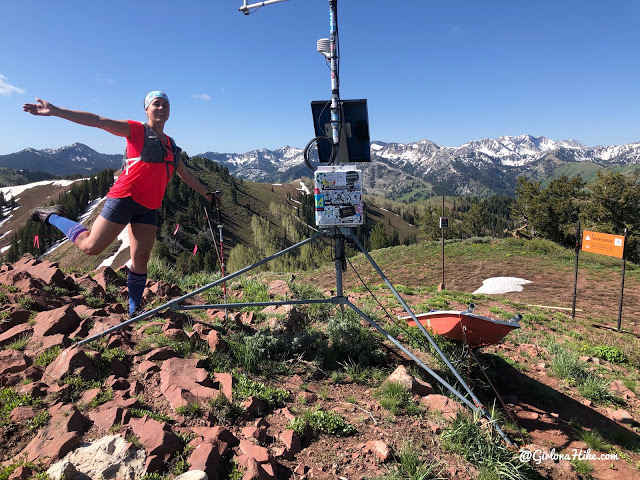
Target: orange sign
x=603, y=243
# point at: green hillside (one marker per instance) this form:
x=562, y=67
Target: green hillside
x=586, y=170
x=257, y=219
x=10, y=177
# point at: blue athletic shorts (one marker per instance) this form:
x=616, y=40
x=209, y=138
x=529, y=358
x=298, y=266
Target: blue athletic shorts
x=126, y=210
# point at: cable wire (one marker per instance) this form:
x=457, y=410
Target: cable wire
x=422, y=340
x=307, y=152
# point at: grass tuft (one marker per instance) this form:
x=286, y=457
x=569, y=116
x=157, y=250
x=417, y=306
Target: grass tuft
x=484, y=449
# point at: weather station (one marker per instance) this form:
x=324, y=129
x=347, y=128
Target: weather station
x=341, y=141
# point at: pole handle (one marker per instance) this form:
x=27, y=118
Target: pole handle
x=216, y=203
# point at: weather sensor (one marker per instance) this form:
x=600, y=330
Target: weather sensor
x=246, y=8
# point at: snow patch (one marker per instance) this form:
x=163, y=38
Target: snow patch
x=304, y=188
x=497, y=285
x=124, y=243
x=5, y=220
x=12, y=192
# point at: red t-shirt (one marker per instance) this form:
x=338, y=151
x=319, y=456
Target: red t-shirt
x=144, y=182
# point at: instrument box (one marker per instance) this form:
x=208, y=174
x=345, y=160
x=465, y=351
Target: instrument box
x=338, y=195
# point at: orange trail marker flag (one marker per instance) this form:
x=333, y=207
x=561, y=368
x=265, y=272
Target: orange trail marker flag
x=603, y=243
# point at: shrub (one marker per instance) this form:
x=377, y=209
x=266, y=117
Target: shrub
x=224, y=410
x=141, y=412
x=350, y=341
x=9, y=399
x=48, y=356
x=190, y=410
x=9, y=468
x=94, y=302
x=582, y=467
x=78, y=387
x=26, y=303
x=312, y=312
x=266, y=351
x=273, y=397
x=40, y=420
x=102, y=398
x=321, y=421
x=609, y=353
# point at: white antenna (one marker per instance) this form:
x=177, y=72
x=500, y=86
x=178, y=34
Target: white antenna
x=245, y=8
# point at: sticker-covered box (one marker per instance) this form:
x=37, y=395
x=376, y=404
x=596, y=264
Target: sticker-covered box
x=338, y=194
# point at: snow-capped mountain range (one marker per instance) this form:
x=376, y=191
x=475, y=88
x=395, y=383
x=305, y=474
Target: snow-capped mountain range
x=70, y=160
x=397, y=170
x=480, y=167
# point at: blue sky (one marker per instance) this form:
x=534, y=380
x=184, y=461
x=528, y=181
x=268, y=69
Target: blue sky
x=448, y=71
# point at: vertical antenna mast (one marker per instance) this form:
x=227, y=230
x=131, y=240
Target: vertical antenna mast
x=335, y=81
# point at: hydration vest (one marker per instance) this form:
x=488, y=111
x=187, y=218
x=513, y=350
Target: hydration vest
x=153, y=151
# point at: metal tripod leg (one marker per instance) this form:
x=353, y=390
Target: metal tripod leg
x=478, y=405
x=339, y=299
x=174, y=304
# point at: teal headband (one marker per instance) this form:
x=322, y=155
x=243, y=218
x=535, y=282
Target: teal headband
x=154, y=94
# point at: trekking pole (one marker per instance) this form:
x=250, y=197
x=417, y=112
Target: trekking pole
x=221, y=251
x=222, y=265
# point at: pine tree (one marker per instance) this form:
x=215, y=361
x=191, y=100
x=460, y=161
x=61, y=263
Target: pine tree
x=379, y=237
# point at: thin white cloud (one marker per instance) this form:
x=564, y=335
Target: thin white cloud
x=103, y=79
x=455, y=29
x=202, y=96
x=7, y=89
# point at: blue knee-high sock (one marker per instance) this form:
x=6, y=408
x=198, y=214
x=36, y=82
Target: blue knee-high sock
x=70, y=228
x=135, y=283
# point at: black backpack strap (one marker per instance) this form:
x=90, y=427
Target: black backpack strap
x=177, y=151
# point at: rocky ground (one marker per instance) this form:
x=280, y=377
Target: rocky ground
x=123, y=407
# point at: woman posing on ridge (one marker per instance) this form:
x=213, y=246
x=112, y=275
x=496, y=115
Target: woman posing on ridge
x=151, y=158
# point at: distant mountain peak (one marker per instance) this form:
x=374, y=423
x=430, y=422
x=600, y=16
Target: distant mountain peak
x=73, y=159
x=408, y=171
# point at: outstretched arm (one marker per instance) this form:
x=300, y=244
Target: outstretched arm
x=190, y=179
x=46, y=109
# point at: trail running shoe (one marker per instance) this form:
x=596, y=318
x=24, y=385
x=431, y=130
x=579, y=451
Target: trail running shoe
x=138, y=311
x=42, y=214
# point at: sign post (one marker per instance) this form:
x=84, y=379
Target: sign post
x=575, y=275
x=612, y=246
x=444, y=223
x=624, y=268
